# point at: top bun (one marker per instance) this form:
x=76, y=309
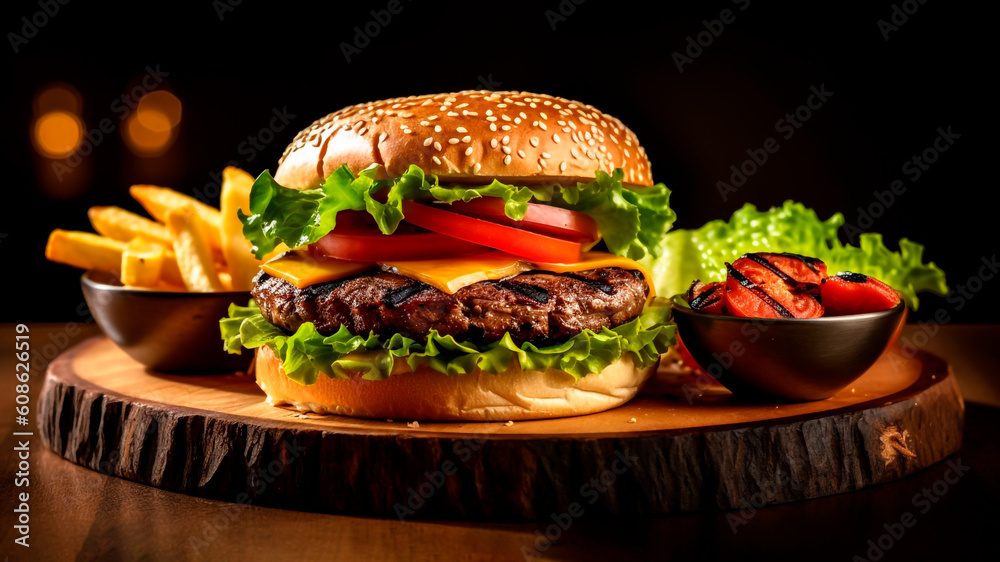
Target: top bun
x=468, y=137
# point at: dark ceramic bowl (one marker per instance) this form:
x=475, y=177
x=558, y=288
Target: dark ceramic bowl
x=175, y=332
x=789, y=358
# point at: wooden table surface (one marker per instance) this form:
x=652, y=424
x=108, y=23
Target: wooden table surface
x=946, y=512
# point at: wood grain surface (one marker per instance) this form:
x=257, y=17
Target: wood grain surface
x=82, y=514
x=214, y=436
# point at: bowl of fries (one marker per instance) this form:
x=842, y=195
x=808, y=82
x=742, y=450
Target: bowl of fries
x=158, y=286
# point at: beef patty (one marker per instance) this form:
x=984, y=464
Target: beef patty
x=536, y=306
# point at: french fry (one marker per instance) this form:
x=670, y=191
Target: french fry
x=226, y=279
x=159, y=201
x=239, y=258
x=85, y=250
x=171, y=273
x=142, y=263
x=117, y=223
x=193, y=251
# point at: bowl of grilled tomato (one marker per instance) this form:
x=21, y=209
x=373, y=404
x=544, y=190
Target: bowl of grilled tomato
x=780, y=326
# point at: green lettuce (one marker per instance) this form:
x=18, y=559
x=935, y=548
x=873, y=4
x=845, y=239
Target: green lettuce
x=686, y=255
x=307, y=353
x=632, y=220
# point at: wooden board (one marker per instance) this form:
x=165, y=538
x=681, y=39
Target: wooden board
x=669, y=450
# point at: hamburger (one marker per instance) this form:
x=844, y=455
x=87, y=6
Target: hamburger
x=459, y=256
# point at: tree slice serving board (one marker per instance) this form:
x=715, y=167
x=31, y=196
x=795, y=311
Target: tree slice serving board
x=666, y=451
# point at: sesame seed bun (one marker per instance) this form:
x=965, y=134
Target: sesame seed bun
x=468, y=137
x=478, y=396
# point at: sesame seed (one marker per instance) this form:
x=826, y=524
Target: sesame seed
x=627, y=155
x=574, y=153
x=382, y=137
x=534, y=123
x=591, y=142
x=489, y=112
x=432, y=117
x=506, y=139
x=425, y=123
x=506, y=127
x=603, y=148
x=506, y=150
x=572, y=124
x=460, y=106
x=436, y=160
x=506, y=160
x=541, y=162
x=562, y=166
x=362, y=130
x=453, y=140
x=493, y=143
x=437, y=128
x=501, y=105
x=474, y=113
x=520, y=153
x=504, y=117
x=468, y=151
x=590, y=154
x=476, y=168
x=451, y=114
x=542, y=125
x=523, y=116
x=461, y=130
x=587, y=135
x=546, y=155
x=566, y=129
x=437, y=146
x=407, y=131
x=428, y=141
x=533, y=141
x=555, y=137
x=491, y=118
x=493, y=127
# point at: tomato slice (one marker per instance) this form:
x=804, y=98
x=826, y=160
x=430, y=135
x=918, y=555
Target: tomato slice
x=744, y=298
x=374, y=246
x=530, y=245
x=854, y=293
x=706, y=298
x=543, y=219
x=798, y=299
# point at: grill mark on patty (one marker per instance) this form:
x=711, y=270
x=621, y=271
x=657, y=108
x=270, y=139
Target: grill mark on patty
x=598, y=284
x=399, y=296
x=535, y=293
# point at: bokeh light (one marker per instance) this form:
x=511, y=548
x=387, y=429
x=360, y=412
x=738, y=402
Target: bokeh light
x=152, y=128
x=58, y=96
x=57, y=134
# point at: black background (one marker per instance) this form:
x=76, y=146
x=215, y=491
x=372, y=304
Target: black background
x=231, y=72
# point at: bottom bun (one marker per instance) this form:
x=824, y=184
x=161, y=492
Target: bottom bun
x=425, y=394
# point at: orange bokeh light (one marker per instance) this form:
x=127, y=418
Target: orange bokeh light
x=151, y=129
x=58, y=96
x=57, y=134
x=156, y=105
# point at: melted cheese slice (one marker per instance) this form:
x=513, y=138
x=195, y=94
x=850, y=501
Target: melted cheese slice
x=299, y=268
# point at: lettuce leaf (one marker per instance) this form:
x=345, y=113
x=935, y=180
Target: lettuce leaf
x=307, y=353
x=632, y=220
x=686, y=255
